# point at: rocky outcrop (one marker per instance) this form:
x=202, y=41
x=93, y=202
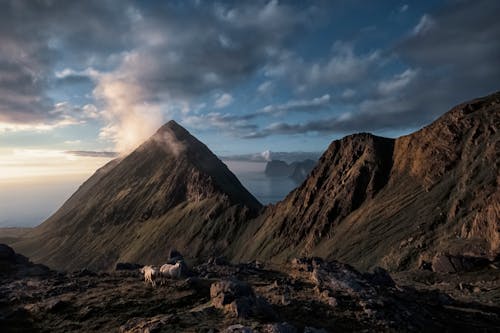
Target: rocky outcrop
x=238, y=299
x=16, y=266
x=307, y=295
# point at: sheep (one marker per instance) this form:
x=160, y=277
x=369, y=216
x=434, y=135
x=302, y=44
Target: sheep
x=150, y=273
x=170, y=271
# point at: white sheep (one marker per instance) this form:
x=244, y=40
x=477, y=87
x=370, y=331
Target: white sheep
x=169, y=271
x=150, y=273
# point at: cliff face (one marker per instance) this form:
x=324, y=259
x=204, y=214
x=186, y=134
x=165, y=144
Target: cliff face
x=396, y=203
x=170, y=192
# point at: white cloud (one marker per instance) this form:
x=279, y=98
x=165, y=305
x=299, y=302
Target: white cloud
x=423, y=26
x=129, y=119
x=348, y=93
x=299, y=105
x=72, y=142
x=223, y=101
x=403, y=8
x=265, y=87
x=397, y=82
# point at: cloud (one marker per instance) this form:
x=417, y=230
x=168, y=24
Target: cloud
x=30, y=51
x=223, y=101
x=425, y=24
x=317, y=103
x=232, y=124
x=397, y=82
x=168, y=66
x=451, y=56
x=403, y=8
x=343, y=66
x=268, y=155
x=61, y=114
x=87, y=153
x=265, y=87
x=130, y=120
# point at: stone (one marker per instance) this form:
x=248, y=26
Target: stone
x=279, y=328
x=238, y=299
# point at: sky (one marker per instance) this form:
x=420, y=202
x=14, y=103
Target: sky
x=82, y=82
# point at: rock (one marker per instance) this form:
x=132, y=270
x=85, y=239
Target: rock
x=57, y=305
x=381, y=277
x=219, y=260
x=16, y=265
x=145, y=325
x=238, y=328
x=225, y=292
x=279, y=328
x=238, y=299
x=84, y=272
x=6, y=253
x=175, y=255
x=446, y=263
x=126, y=266
x=308, y=329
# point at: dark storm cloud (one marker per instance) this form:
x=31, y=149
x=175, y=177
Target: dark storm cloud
x=187, y=51
x=33, y=38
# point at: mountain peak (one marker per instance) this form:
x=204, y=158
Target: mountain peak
x=174, y=138
x=174, y=128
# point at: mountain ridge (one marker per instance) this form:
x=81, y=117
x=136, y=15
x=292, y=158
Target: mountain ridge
x=423, y=208
x=370, y=201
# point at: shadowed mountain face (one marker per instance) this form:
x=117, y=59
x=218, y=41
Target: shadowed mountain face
x=396, y=203
x=172, y=191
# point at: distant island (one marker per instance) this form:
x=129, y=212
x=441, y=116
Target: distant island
x=298, y=171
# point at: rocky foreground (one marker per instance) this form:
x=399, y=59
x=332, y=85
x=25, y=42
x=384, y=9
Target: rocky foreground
x=306, y=295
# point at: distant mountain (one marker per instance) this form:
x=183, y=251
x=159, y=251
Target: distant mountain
x=266, y=156
x=298, y=170
x=301, y=169
x=277, y=168
x=395, y=203
x=171, y=192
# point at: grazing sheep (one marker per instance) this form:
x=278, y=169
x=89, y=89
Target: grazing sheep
x=169, y=271
x=150, y=273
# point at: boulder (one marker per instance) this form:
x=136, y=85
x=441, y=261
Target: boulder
x=238, y=299
x=447, y=263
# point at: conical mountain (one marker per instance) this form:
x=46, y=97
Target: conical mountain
x=395, y=203
x=171, y=192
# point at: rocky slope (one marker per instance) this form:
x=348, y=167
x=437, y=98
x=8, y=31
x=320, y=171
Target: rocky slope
x=170, y=192
x=306, y=295
x=396, y=203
